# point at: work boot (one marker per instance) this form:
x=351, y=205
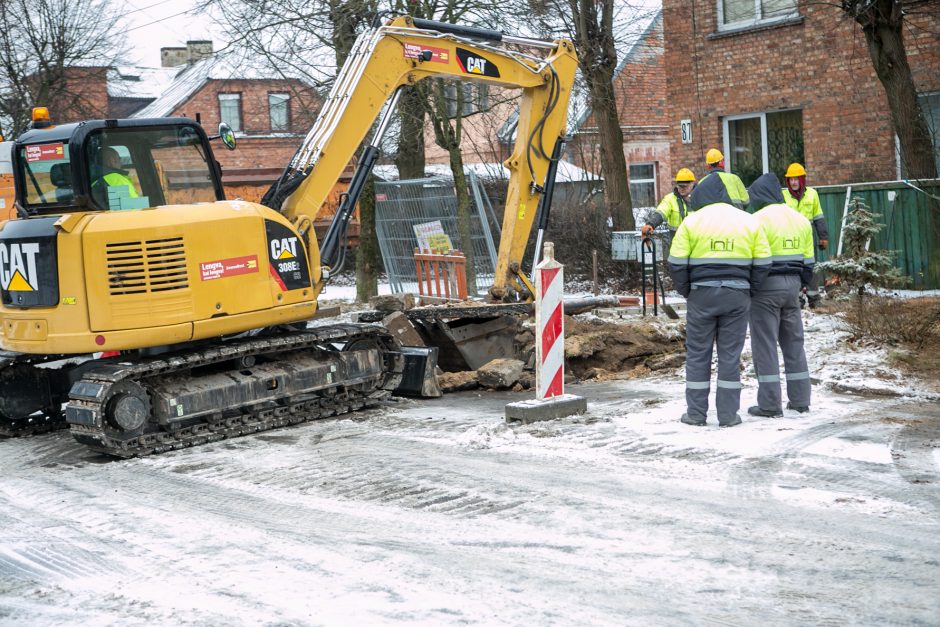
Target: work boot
x=730, y=422
x=695, y=422
x=800, y=409
x=766, y=413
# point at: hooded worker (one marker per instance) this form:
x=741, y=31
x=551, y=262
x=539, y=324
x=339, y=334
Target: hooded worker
x=718, y=258
x=805, y=200
x=775, y=307
x=715, y=167
x=674, y=206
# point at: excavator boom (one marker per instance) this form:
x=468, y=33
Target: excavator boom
x=403, y=52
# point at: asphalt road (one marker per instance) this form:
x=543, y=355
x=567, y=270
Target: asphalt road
x=436, y=512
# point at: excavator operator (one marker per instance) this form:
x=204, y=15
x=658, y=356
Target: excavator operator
x=112, y=176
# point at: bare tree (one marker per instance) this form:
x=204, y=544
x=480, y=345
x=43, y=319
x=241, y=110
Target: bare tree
x=47, y=49
x=597, y=28
x=883, y=22
x=309, y=40
x=446, y=114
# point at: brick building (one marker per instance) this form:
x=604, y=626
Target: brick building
x=791, y=83
x=640, y=88
x=269, y=115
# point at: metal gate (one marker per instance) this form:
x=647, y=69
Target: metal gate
x=400, y=205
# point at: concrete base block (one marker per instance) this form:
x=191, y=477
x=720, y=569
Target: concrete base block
x=550, y=409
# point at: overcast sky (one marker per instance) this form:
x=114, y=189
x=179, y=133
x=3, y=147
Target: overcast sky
x=155, y=24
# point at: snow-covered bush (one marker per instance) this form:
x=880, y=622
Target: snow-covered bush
x=858, y=267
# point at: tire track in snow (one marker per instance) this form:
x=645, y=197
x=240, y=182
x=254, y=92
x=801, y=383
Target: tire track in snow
x=913, y=452
x=755, y=478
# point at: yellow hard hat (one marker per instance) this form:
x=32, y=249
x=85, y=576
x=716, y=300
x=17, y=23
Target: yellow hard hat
x=685, y=176
x=795, y=169
x=713, y=156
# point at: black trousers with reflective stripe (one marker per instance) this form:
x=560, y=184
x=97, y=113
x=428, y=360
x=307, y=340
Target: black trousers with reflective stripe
x=717, y=316
x=776, y=319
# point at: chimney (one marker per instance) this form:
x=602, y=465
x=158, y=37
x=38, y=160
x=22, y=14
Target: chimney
x=173, y=57
x=198, y=49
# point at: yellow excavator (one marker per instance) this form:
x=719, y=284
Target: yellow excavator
x=124, y=246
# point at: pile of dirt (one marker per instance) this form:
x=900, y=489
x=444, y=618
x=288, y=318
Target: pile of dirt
x=597, y=349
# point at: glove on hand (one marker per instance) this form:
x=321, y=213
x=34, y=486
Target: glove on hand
x=646, y=230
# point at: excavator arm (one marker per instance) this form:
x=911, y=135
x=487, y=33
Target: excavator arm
x=402, y=52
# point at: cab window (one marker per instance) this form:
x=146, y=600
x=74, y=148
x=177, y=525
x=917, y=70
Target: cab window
x=47, y=171
x=139, y=168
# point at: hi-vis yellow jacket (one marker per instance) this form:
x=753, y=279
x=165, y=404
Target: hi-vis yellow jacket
x=718, y=242
x=672, y=209
x=734, y=186
x=809, y=208
x=789, y=234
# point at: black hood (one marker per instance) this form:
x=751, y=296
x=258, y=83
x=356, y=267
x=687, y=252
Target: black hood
x=711, y=190
x=765, y=191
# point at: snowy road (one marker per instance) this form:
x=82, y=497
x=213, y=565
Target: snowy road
x=437, y=513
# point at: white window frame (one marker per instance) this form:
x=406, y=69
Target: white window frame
x=935, y=132
x=652, y=180
x=286, y=103
x=765, y=155
x=757, y=21
x=232, y=97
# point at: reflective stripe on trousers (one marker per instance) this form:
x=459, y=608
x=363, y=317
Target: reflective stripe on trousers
x=716, y=316
x=776, y=319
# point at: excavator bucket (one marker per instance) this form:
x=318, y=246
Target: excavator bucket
x=420, y=374
x=468, y=343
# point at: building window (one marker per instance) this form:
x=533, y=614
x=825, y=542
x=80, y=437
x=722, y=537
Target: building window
x=230, y=110
x=643, y=185
x=734, y=14
x=279, y=108
x=930, y=106
x=763, y=142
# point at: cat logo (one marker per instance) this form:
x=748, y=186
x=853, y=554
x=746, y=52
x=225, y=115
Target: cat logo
x=471, y=63
x=476, y=65
x=285, y=248
x=18, y=267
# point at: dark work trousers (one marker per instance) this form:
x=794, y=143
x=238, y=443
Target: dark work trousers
x=715, y=316
x=775, y=318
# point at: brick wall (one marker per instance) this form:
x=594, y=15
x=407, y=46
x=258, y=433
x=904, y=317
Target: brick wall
x=258, y=146
x=641, y=104
x=85, y=95
x=818, y=64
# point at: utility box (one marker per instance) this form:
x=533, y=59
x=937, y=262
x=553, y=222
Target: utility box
x=626, y=245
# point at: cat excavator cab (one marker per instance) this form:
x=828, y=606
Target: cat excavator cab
x=124, y=244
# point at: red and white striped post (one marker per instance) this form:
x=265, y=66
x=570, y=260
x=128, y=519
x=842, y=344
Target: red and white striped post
x=550, y=398
x=549, y=326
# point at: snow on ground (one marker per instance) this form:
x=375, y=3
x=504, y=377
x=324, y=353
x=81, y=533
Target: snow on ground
x=437, y=512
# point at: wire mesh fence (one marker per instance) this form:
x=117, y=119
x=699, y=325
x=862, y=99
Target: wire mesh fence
x=403, y=205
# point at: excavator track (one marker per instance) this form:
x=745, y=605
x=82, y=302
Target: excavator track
x=32, y=390
x=158, y=404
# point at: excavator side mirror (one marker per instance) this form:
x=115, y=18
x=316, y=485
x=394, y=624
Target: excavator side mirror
x=227, y=135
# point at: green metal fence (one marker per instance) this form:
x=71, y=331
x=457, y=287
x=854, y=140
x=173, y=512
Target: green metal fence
x=911, y=215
